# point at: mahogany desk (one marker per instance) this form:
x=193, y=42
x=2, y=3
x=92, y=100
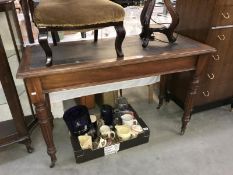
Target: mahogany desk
x=84, y=63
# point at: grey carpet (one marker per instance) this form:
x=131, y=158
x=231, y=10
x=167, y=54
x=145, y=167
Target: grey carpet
x=205, y=149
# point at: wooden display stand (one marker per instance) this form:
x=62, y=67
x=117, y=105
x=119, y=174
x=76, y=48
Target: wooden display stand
x=16, y=130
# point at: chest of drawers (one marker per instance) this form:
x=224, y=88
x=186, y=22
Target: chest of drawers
x=211, y=22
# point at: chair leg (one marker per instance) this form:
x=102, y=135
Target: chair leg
x=95, y=35
x=120, y=30
x=43, y=40
x=55, y=37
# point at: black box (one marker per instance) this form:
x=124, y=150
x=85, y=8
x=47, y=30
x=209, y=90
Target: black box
x=86, y=155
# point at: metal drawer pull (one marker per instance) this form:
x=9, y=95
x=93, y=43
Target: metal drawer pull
x=226, y=16
x=216, y=58
x=207, y=94
x=221, y=37
x=211, y=76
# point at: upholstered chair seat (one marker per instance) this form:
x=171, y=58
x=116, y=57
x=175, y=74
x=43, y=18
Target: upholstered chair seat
x=77, y=13
x=80, y=15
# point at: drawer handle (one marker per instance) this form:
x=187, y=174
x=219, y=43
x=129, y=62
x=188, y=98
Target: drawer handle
x=211, y=76
x=221, y=37
x=226, y=16
x=206, y=94
x=216, y=58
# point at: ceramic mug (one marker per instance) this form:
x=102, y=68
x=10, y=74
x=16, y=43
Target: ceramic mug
x=106, y=113
x=102, y=143
x=123, y=132
x=85, y=141
x=106, y=132
x=93, y=118
x=94, y=121
x=128, y=119
x=93, y=129
x=122, y=103
x=136, y=129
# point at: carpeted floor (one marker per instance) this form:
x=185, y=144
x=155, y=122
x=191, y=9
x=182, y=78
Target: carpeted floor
x=205, y=149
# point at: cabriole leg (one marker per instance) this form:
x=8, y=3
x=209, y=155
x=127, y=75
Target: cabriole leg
x=120, y=30
x=43, y=40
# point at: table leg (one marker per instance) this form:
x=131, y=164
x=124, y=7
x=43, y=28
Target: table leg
x=189, y=103
x=192, y=91
x=46, y=129
x=43, y=113
x=51, y=117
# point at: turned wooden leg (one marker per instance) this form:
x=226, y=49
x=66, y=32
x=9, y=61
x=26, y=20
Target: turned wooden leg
x=49, y=109
x=46, y=129
x=28, y=144
x=43, y=40
x=189, y=103
x=40, y=101
x=95, y=35
x=192, y=91
x=120, y=30
x=55, y=37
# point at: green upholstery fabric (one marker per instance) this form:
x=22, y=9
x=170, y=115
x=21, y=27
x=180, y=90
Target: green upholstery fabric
x=51, y=13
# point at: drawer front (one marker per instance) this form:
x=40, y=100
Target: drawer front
x=205, y=94
x=222, y=40
x=224, y=2
x=211, y=92
x=216, y=71
x=211, y=74
x=223, y=91
x=226, y=74
x=222, y=16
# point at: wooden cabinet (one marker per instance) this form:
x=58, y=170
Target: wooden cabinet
x=211, y=22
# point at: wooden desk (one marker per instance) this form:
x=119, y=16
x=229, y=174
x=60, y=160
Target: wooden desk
x=85, y=63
